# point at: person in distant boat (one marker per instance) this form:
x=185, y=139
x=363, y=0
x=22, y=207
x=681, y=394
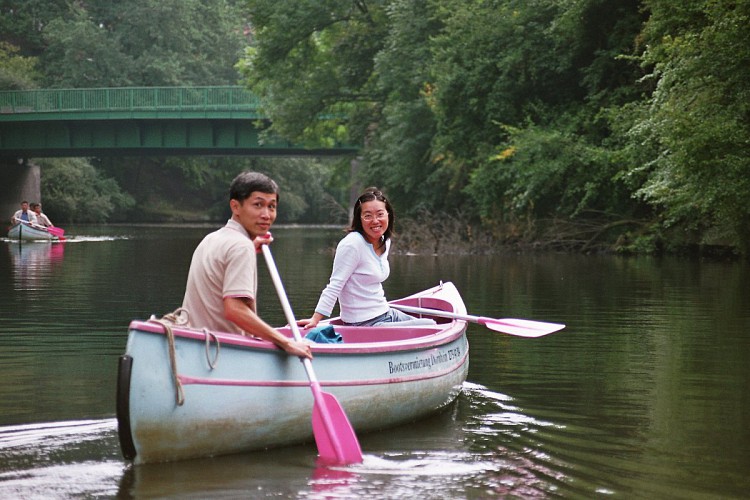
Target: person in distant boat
x=222, y=281
x=41, y=218
x=24, y=214
x=360, y=267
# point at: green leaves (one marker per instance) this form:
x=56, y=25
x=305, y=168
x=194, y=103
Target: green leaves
x=146, y=43
x=74, y=191
x=312, y=59
x=16, y=71
x=698, y=119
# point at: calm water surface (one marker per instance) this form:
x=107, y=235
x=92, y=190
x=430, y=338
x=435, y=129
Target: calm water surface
x=643, y=395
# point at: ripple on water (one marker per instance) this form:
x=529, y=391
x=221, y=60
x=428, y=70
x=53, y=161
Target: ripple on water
x=59, y=460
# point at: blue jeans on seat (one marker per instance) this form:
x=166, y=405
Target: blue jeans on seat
x=394, y=317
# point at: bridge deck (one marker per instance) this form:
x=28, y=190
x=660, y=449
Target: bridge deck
x=141, y=121
x=129, y=102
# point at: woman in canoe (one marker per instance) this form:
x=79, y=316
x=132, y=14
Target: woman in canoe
x=360, y=267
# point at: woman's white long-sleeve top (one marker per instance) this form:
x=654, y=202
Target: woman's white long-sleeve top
x=356, y=280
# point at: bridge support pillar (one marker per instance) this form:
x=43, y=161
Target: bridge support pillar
x=19, y=180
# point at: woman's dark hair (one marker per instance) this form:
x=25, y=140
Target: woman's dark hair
x=371, y=194
x=248, y=182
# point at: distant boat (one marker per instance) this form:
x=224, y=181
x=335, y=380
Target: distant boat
x=25, y=231
x=184, y=393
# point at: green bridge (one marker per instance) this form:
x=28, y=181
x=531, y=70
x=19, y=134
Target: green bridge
x=153, y=121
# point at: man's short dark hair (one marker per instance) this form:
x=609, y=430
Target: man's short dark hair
x=248, y=182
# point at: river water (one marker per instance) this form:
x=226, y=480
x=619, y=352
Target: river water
x=643, y=395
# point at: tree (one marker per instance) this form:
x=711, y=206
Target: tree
x=75, y=192
x=16, y=72
x=22, y=22
x=697, y=120
x=181, y=42
x=82, y=54
x=145, y=43
x=522, y=93
x=148, y=43
x=313, y=58
x=399, y=149
x=448, y=80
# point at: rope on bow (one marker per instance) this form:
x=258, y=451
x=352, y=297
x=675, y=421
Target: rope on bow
x=167, y=321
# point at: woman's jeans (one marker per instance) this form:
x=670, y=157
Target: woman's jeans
x=394, y=317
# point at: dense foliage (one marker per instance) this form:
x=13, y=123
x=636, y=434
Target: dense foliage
x=694, y=128
x=73, y=187
x=580, y=124
x=573, y=123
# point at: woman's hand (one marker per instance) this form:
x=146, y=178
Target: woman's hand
x=307, y=323
x=310, y=323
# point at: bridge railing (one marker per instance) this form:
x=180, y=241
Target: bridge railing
x=227, y=98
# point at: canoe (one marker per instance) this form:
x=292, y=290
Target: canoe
x=25, y=231
x=185, y=393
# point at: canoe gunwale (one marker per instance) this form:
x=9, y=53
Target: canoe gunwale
x=436, y=336
x=430, y=335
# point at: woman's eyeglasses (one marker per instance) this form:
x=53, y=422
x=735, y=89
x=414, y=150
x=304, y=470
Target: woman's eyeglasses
x=368, y=217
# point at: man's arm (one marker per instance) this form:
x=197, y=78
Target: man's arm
x=240, y=312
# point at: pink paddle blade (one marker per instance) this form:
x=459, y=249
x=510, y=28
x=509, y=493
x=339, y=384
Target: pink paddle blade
x=338, y=445
x=511, y=326
x=56, y=231
x=521, y=327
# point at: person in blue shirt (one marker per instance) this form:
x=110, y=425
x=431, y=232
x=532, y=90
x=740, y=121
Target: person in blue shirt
x=24, y=215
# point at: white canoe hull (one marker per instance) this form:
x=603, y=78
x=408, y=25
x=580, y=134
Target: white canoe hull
x=21, y=231
x=257, y=397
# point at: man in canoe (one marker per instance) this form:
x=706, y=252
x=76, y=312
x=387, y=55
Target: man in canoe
x=41, y=217
x=223, y=278
x=24, y=215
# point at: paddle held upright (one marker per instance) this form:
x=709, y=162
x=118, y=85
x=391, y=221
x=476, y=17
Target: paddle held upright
x=337, y=443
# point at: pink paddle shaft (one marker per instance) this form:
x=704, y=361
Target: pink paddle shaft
x=337, y=443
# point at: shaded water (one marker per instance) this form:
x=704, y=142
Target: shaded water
x=643, y=395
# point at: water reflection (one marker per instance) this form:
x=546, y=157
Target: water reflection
x=59, y=460
x=644, y=395
x=332, y=481
x=484, y=446
x=34, y=262
x=243, y=476
x=440, y=457
x=434, y=460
